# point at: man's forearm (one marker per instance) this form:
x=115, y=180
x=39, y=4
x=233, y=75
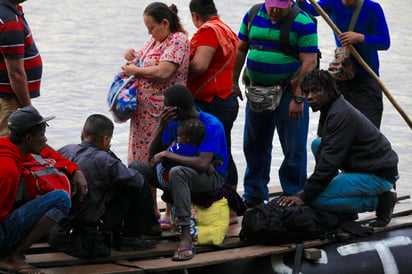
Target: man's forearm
x=18, y=80
x=309, y=62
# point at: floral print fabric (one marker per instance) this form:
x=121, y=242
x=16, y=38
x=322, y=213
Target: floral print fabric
x=144, y=121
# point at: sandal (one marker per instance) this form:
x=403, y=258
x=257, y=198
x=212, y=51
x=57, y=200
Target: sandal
x=22, y=268
x=179, y=250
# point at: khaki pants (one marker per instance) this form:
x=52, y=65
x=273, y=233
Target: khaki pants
x=7, y=107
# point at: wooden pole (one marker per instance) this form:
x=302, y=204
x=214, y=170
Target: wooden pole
x=362, y=62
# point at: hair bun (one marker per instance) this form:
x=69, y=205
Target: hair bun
x=173, y=8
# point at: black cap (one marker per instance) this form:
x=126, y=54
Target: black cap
x=25, y=118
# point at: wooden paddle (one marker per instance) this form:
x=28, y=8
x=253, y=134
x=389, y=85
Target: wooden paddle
x=362, y=62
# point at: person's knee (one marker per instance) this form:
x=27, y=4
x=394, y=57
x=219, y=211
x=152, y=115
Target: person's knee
x=62, y=201
x=176, y=173
x=315, y=145
x=139, y=166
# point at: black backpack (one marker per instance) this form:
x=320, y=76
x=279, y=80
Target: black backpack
x=284, y=29
x=274, y=224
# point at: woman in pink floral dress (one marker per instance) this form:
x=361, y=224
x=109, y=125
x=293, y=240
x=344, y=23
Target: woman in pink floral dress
x=164, y=61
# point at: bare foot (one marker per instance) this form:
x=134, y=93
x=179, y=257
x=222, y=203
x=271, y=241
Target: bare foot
x=233, y=217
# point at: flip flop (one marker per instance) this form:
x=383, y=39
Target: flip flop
x=165, y=224
x=22, y=269
x=184, y=249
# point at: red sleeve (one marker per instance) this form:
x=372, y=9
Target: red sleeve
x=207, y=37
x=61, y=162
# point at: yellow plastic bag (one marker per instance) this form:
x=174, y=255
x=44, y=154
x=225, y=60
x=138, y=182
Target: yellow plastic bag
x=208, y=226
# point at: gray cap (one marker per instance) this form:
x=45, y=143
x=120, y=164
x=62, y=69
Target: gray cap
x=25, y=118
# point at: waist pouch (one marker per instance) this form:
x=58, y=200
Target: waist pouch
x=264, y=98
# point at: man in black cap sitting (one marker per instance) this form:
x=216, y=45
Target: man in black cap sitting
x=21, y=227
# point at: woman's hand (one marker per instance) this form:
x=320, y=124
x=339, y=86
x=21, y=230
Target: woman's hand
x=129, y=69
x=130, y=54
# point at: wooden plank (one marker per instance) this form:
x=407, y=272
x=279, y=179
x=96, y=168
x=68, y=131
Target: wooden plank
x=201, y=259
x=205, y=255
x=161, y=250
x=208, y=258
x=40, y=248
x=89, y=269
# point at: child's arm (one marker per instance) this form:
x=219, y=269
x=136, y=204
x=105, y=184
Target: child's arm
x=211, y=169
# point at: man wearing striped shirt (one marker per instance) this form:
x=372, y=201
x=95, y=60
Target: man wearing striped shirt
x=268, y=64
x=20, y=62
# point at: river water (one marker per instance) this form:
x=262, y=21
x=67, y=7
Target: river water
x=82, y=45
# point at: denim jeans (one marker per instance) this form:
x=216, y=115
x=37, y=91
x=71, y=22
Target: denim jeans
x=19, y=222
x=226, y=111
x=315, y=145
x=350, y=192
x=257, y=146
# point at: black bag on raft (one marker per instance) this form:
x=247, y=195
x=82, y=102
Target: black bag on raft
x=273, y=224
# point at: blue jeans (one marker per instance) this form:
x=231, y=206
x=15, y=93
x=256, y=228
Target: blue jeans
x=315, y=145
x=257, y=147
x=19, y=222
x=226, y=111
x=350, y=192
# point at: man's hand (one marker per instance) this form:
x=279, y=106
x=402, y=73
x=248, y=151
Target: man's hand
x=350, y=38
x=295, y=110
x=238, y=92
x=168, y=114
x=210, y=170
x=158, y=158
x=290, y=200
x=79, y=185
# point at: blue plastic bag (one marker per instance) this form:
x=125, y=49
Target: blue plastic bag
x=122, y=97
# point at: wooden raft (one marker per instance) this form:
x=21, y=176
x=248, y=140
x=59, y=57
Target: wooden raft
x=158, y=259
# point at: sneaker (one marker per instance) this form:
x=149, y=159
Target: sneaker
x=135, y=243
x=384, y=210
